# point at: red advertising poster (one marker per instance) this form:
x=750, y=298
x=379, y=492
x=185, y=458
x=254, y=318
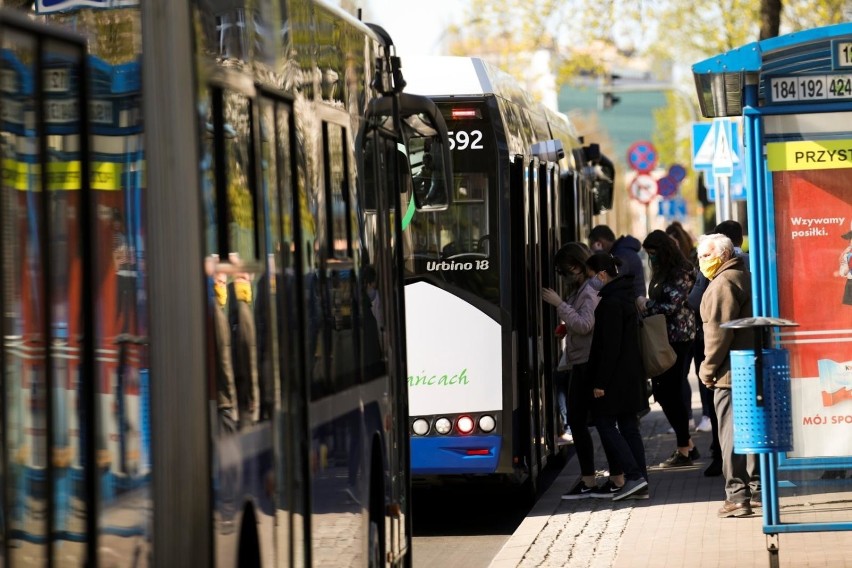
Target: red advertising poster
x=813, y=216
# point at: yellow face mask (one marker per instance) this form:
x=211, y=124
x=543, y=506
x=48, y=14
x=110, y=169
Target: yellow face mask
x=221, y=291
x=709, y=266
x=243, y=291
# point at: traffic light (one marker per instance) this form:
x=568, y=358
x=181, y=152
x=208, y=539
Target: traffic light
x=606, y=98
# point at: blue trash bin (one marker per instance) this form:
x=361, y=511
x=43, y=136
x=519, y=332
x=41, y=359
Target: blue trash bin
x=767, y=428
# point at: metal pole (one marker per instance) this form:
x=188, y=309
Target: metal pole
x=723, y=198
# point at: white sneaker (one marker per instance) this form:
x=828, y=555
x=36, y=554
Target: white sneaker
x=704, y=425
x=565, y=439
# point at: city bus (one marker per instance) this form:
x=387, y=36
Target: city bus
x=481, y=393
x=200, y=211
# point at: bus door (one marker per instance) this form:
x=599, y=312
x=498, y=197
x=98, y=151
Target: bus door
x=548, y=179
x=238, y=296
x=525, y=283
x=279, y=316
x=51, y=438
x=536, y=309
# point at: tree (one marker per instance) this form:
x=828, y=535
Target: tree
x=770, y=18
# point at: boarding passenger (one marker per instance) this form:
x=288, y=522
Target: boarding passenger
x=671, y=280
x=615, y=373
x=602, y=239
x=727, y=298
x=577, y=312
x=686, y=245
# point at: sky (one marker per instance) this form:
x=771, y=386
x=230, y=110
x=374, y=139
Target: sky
x=416, y=28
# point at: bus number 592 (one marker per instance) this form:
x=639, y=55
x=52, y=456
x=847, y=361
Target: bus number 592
x=463, y=140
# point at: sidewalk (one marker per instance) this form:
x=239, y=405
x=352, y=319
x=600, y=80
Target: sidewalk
x=676, y=527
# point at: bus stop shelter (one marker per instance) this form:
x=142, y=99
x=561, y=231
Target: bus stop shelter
x=794, y=96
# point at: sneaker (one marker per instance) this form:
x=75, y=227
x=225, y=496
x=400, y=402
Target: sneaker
x=580, y=491
x=677, y=460
x=693, y=453
x=705, y=425
x=642, y=494
x=605, y=491
x=630, y=487
x=565, y=439
x=756, y=501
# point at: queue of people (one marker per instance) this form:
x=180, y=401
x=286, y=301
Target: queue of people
x=696, y=288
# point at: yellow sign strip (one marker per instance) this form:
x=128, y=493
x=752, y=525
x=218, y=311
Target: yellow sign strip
x=822, y=155
x=62, y=176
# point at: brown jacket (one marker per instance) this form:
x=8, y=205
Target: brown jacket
x=727, y=298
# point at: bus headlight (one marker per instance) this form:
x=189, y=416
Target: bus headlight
x=443, y=425
x=420, y=427
x=487, y=423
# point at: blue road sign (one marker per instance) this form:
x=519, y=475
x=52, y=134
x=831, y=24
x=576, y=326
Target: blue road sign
x=674, y=208
x=705, y=140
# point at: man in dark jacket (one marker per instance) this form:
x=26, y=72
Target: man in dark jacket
x=602, y=239
x=727, y=298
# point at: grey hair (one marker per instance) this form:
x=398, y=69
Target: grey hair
x=717, y=243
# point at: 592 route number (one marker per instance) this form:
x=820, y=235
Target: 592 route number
x=463, y=140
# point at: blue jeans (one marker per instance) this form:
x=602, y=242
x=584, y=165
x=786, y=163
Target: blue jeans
x=621, y=438
x=561, y=379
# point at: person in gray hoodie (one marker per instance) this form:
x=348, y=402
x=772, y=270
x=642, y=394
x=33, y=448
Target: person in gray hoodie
x=577, y=313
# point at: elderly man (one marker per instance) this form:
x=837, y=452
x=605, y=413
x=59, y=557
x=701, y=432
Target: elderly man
x=728, y=297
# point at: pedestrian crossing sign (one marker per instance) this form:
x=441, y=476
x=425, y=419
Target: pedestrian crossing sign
x=716, y=148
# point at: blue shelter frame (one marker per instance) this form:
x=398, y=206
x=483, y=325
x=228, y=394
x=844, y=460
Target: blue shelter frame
x=794, y=94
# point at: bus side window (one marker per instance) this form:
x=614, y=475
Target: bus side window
x=233, y=177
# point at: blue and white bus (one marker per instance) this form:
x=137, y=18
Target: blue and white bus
x=200, y=202
x=481, y=347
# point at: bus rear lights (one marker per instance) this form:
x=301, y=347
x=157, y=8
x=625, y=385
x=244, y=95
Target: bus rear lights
x=443, y=425
x=420, y=427
x=465, y=113
x=479, y=452
x=465, y=424
x=487, y=423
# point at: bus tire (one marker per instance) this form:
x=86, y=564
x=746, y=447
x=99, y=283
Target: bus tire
x=248, y=551
x=374, y=546
x=375, y=542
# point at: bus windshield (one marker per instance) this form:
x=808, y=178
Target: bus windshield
x=455, y=246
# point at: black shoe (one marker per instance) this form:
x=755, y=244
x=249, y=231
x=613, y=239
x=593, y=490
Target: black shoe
x=605, y=491
x=714, y=469
x=580, y=491
x=693, y=453
x=630, y=487
x=677, y=460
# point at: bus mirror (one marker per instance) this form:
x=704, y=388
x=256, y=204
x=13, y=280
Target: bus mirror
x=604, y=183
x=428, y=152
x=430, y=170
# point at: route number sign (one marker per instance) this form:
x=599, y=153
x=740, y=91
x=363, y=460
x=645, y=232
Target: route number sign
x=810, y=88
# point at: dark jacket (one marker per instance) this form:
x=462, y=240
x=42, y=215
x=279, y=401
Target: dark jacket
x=668, y=297
x=614, y=362
x=728, y=297
x=627, y=249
